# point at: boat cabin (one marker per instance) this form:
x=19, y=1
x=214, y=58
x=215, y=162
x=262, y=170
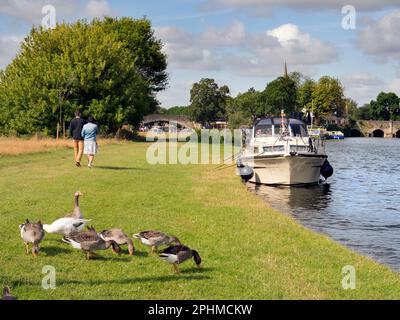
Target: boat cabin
x=270, y=127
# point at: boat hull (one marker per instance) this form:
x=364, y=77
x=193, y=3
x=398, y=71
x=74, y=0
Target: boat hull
x=286, y=170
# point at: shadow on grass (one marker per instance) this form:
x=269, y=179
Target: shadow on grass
x=102, y=258
x=191, y=274
x=196, y=270
x=141, y=254
x=117, y=168
x=52, y=251
x=166, y=278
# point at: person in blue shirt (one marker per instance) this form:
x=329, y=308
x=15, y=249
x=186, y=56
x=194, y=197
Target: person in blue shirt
x=89, y=133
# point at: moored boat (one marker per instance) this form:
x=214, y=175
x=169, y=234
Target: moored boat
x=279, y=151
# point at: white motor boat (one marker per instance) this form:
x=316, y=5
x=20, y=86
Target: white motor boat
x=279, y=151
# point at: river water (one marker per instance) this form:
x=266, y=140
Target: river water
x=360, y=205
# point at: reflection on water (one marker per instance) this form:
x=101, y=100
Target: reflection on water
x=359, y=206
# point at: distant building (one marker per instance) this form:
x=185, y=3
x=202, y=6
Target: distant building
x=340, y=121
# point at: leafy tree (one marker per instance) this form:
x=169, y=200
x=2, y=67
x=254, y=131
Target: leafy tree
x=363, y=113
x=138, y=37
x=280, y=94
x=246, y=107
x=350, y=108
x=328, y=97
x=178, y=111
x=89, y=66
x=304, y=94
x=386, y=107
x=208, y=101
x=298, y=78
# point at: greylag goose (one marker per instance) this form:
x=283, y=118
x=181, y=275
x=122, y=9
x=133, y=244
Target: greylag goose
x=32, y=233
x=177, y=254
x=155, y=239
x=7, y=294
x=65, y=226
x=77, y=214
x=119, y=237
x=89, y=241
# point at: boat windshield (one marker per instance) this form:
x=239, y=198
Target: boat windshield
x=298, y=128
x=269, y=127
x=263, y=128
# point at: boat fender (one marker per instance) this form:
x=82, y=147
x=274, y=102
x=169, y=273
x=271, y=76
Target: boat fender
x=326, y=170
x=245, y=172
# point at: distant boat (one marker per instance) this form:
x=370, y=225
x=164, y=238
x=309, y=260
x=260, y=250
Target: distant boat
x=316, y=132
x=334, y=135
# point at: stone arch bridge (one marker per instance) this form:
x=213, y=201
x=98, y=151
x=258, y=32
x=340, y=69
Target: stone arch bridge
x=183, y=121
x=373, y=128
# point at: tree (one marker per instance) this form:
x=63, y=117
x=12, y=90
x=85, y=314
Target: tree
x=386, y=107
x=350, y=108
x=280, y=94
x=178, y=111
x=138, y=37
x=88, y=66
x=328, y=97
x=208, y=101
x=363, y=113
x=246, y=107
x=298, y=78
x=304, y=94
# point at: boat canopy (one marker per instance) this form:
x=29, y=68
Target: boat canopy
x=267, y=127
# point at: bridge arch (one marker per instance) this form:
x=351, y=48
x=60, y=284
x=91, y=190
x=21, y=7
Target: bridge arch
x=397, y=134
x=378, y=133
x=356, y=133
x=182, y=121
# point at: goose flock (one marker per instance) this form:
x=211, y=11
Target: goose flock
x=71, y=227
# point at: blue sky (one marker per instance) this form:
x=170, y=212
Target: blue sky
x=244, y=43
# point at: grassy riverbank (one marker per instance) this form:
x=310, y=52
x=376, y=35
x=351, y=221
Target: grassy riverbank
x=17, y=146
x=249, y=251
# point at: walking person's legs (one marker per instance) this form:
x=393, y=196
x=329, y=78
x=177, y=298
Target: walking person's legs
x=80, y=152
x=90, y=149
x=76, y=152
x=90, y=160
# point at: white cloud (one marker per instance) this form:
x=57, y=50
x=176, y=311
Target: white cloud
x=98, y=9
x=234, y=50
x=381, y=38
x=9, y=46
x=363, y=5
x=183, y=51
x=31, y=10
x=231, y=35
x=363, y=87
x=286, y=42
x=178, y=94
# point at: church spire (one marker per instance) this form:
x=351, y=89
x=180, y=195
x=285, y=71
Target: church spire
x=286, y=72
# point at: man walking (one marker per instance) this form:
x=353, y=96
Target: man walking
x=75, y=129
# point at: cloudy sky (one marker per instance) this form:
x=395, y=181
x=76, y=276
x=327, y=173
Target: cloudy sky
x=244, y=43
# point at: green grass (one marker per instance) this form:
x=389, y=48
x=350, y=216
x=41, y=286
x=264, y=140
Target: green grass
x=249, y=251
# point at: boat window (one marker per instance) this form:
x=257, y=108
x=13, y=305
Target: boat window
x=264, y=131
x=263, y=128
x=274, y=148
x=298, y=148
x=298, y=129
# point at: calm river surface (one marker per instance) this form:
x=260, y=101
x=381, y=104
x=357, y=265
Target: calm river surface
x=360, y=207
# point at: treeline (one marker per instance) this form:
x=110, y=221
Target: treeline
x=385, y=107
x=294, y=93
x=110, y=68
